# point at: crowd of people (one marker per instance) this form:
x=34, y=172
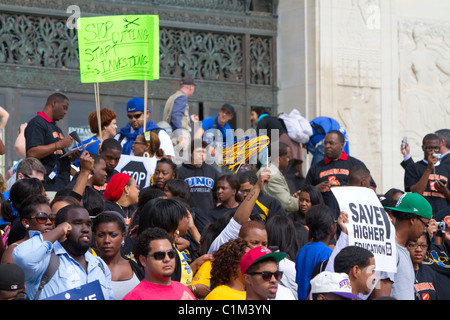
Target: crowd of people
x=72, y=224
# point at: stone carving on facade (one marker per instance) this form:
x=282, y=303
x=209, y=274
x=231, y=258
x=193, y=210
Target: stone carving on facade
x=424, y=52
x=357, y=74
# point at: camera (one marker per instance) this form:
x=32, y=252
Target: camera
x=441, y=225
x=438, y=156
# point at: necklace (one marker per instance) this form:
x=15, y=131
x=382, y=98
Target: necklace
x=125, y=212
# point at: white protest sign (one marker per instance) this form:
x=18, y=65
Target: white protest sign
x=139, y=168
x=369, y=225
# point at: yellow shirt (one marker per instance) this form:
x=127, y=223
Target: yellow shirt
x=203, y=274
x=225, y=293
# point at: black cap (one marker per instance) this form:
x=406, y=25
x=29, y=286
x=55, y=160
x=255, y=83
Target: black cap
x=12, y=277
x=187, y=81
x=228, y=107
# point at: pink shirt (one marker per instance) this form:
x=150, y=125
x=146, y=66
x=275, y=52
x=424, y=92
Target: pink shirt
x=149, y=291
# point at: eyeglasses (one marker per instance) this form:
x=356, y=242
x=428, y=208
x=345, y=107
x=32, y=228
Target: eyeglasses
x=160, y=255
x=424, y=223
x=267, y=275
x=430, y=148
x=42, y=217
x=135, y=185
x=415, y=245
x=136, y=116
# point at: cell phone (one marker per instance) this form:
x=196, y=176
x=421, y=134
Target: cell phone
x=404, y=141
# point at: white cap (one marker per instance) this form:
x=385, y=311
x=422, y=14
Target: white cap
x=333, y=282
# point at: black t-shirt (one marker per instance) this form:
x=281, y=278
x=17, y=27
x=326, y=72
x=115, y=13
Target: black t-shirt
x=440, y=264
x=336, y=172
x=218, y=211
x=40, y=132
x=413, y=173
x=425, y=284
x=266, y=207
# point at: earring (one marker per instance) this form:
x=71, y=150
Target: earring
x=122, y=243
x=27, y=226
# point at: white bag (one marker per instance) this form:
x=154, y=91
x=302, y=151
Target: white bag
x=299, y=129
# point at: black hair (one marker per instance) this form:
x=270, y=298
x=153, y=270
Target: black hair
x=144, y=196
x=142, y=244
x=212, y=230
x=340, y=135
x=61, y=215
x=109, y=216
x=162, y=213
x=390, y=193
x=112, y=144
x=56, y=97
x=179, y=188
x=93, y=201
x=314, y=194
x=319, y=221
x=149, y=194
x=248, y=176
x=170, y=163
x=233, y=182
x=430, y=136
x=260, y=110
x=357, y=173
x=352, y=256
x=281, y=232
x=28, y=205
x=20, y=190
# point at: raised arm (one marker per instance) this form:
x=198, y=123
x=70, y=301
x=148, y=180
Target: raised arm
x=243, y=212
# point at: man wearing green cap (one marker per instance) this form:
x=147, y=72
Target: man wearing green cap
x=412, y=215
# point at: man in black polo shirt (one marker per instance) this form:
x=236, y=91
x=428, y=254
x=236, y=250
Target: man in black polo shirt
x=46, y=142
x=429, y=176
x=334, y=169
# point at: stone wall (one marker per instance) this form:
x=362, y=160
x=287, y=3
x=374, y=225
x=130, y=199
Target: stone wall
x=379, y=67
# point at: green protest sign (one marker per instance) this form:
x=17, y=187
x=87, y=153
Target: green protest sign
x=115, y=48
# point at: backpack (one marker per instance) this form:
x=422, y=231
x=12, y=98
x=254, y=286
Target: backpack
x=298, y=128
x=321, y=126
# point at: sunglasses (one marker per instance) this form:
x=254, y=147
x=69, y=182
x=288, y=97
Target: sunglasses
x=160, y=255
x=136, y=116
x=267, y=275
x=42, y=217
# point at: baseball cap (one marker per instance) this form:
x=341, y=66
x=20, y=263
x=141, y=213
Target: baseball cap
x=12, y=277
x=136, y=104
x=187, y=80
x=228, y=107
x=414, y=203
x=333, y=282
x=258, y=254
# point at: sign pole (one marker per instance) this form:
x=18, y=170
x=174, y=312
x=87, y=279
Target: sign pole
x=97, y=107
